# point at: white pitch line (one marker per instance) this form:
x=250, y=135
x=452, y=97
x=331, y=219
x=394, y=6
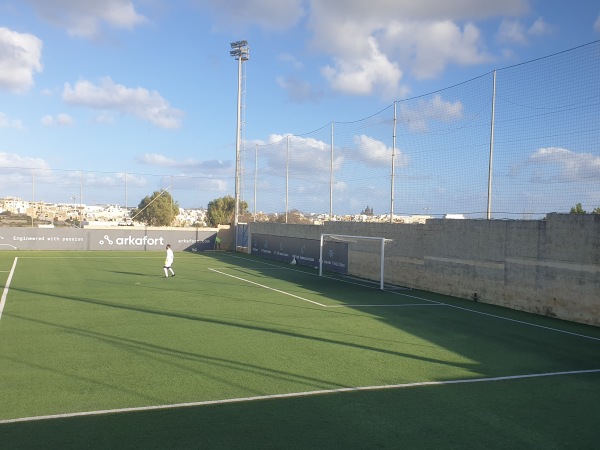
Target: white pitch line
x=251, y=268
x=395, y=305
x=522, y=322
x=320, y=304
x=294, y=395
x=267, y=287
x=90, y=257
x=558, y=330
x=7, y=286
x=343, y=281
x=437, y=303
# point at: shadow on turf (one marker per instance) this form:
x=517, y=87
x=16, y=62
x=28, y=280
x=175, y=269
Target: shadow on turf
x=242, y=326
x=122, y=272
x=145, y=348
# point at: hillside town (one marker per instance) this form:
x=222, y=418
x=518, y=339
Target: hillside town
x=18, y=212
x=74, y=214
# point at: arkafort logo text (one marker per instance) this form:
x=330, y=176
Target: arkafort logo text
x=130, y=240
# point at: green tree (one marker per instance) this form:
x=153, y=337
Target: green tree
x=221, y=210
x=157, y=210
x=578, y=209
x=596, y=211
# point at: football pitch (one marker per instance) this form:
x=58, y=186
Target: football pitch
x=100, y=350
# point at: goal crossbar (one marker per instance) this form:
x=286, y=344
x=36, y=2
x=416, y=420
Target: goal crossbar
x=349, y=238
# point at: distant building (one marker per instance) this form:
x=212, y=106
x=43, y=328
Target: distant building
x=454, y=216
x=367, y=212
x=14, y=205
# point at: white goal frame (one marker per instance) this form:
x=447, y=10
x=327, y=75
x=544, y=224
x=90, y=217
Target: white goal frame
x=348, y=238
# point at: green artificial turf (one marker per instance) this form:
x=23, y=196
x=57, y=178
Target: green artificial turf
x=101, y=331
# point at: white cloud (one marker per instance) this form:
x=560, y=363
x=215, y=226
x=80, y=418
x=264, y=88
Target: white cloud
x=308, y=157
x=104, y=117
x=200, y=176
x=375, y=153
x=268, y=14
x=374, y=44
x=156, y=159
x=417, y=118
x=58, y=120
x=139, y=102
x=85, y=18
x=540, y=28
x=362, y=75
x=428, y=47
x=7, y=122
x=358, y=10
x=18, y=179
x=20, y=59
x=572, y=166
x=597, y=24
x=202, y=184
x=23, y=162
x=211, y=167
x=132, y=179
x=512, y=31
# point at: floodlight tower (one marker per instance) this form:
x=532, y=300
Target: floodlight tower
x=241, y=52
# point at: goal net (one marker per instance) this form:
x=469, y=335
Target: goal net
x=365, y=255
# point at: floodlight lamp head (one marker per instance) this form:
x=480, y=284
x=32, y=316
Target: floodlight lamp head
x=240, y=50
x=239, y=44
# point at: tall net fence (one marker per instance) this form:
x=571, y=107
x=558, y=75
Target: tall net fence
x=518, y=142
x=547, y=135
x=76, y=187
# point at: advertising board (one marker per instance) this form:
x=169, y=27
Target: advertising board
x=303, y=251
x=126, y=238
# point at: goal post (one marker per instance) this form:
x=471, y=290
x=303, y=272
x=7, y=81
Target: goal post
x=350, y=238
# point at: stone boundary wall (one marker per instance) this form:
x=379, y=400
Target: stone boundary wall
x=549, y=267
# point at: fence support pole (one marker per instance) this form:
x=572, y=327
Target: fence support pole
x=489, y=199
x=80, y=199
x=331, y=178
x=393, y=167
x=287, y=176
x=32, y=195
x=255, y=176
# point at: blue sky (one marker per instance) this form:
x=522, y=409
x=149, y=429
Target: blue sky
x=149, y=87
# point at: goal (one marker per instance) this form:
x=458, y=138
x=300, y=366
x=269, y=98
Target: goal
x=375, y=251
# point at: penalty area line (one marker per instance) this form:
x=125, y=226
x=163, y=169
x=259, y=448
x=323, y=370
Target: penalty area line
x=495, y=316
x=7, y=286
x=294, y=395
x=393, y=305
x=267, y=287
x=320, y=304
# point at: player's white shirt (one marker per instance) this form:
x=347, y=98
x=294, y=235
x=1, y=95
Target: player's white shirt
x=169, y=259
